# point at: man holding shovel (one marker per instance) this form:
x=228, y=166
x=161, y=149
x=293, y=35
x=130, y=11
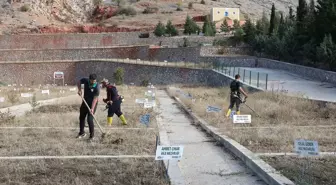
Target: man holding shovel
x=91, y=94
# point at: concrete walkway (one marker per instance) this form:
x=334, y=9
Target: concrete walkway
x=313, y=89
x=203, y=162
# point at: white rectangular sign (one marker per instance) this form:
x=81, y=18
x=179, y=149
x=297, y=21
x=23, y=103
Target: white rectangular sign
x=143, y=100
x=169, y=152
x=306, y=147
x=45, y=91
x=58, y=75
x=2, y=99
x=242, y=119
x=149, y=104
x=73, y=89
x=26, y=95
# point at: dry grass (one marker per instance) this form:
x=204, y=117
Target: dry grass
x=301, y=171
x=83, y=172
x=21, y=142
x=13, y=97
x=277, y=111
x=61, y=142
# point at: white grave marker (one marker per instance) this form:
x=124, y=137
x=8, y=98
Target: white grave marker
x=149, y=104
x=306, y=147
x=242, y=119
x=26, y=95
x=169, y=152
x=45, y=92
x=73, y=89
x=143, y=100
x=2, y=99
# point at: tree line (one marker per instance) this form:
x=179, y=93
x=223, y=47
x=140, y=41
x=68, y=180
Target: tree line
x=305, y=37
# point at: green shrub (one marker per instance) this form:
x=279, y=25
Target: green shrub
x=34, y=102
x=25, y=8
x=190, y=5
x=128, y=11
x=118, y=76
x=13, y=97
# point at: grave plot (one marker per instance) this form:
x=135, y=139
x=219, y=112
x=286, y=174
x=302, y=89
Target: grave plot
x=126, y=155
x=15, y=95
x=278, y=120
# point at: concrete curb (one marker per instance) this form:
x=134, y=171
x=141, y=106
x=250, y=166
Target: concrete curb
x=266, y=172
x=173, y=170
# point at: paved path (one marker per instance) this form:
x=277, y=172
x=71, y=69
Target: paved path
x=203, y=162
x=279, y=79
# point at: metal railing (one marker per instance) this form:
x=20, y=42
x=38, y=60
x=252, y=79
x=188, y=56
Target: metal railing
x=250, y=77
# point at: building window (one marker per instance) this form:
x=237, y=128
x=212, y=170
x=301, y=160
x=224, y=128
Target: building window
x=226, y=14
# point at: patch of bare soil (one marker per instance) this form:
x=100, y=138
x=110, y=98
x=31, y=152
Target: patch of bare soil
x=303, y=171
x=57, y=108
x=83, y=171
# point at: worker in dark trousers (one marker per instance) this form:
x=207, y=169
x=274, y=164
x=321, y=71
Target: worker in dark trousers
x=91, y=94
x=235, y=96
x=113, y=101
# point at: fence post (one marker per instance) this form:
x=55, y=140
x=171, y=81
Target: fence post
x=222, y=67
x=234, y=70
x=266, y=80
x=250, y=76
x=229, y=70
x=258, y=80
x=244, y=76
x=239, y=71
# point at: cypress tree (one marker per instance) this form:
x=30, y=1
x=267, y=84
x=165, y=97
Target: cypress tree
x=272, y=21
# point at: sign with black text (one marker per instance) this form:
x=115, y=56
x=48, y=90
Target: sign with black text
x=169, y=152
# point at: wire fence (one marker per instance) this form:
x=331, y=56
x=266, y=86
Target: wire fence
x=257, y=79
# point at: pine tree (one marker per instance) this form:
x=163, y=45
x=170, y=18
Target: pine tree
x=291, y=14
x=265, y=23
x=236, y=24
x=325, y=19
x=326, y=52
x=159, y=29
x=272, y=21
x=225, y=26
x=190, y=26
x=301, y=15
x=170, y=29
x=208, y=28
x=282, y=27
x=249, y=30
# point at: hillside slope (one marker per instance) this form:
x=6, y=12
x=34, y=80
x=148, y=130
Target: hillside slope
x=29, y=15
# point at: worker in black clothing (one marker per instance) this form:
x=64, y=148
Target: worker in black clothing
x=235, y=97
x=91, y=94
x=113, y=102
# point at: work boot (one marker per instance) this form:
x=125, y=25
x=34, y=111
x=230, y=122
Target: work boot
x=109, y=120
x=81, y=135
x=122, y=118
x=228, y=113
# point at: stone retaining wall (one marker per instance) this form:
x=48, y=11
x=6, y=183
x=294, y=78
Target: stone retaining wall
x=71, y=41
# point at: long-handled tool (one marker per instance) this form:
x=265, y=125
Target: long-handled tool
x=103, y=133
x=248, y=106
